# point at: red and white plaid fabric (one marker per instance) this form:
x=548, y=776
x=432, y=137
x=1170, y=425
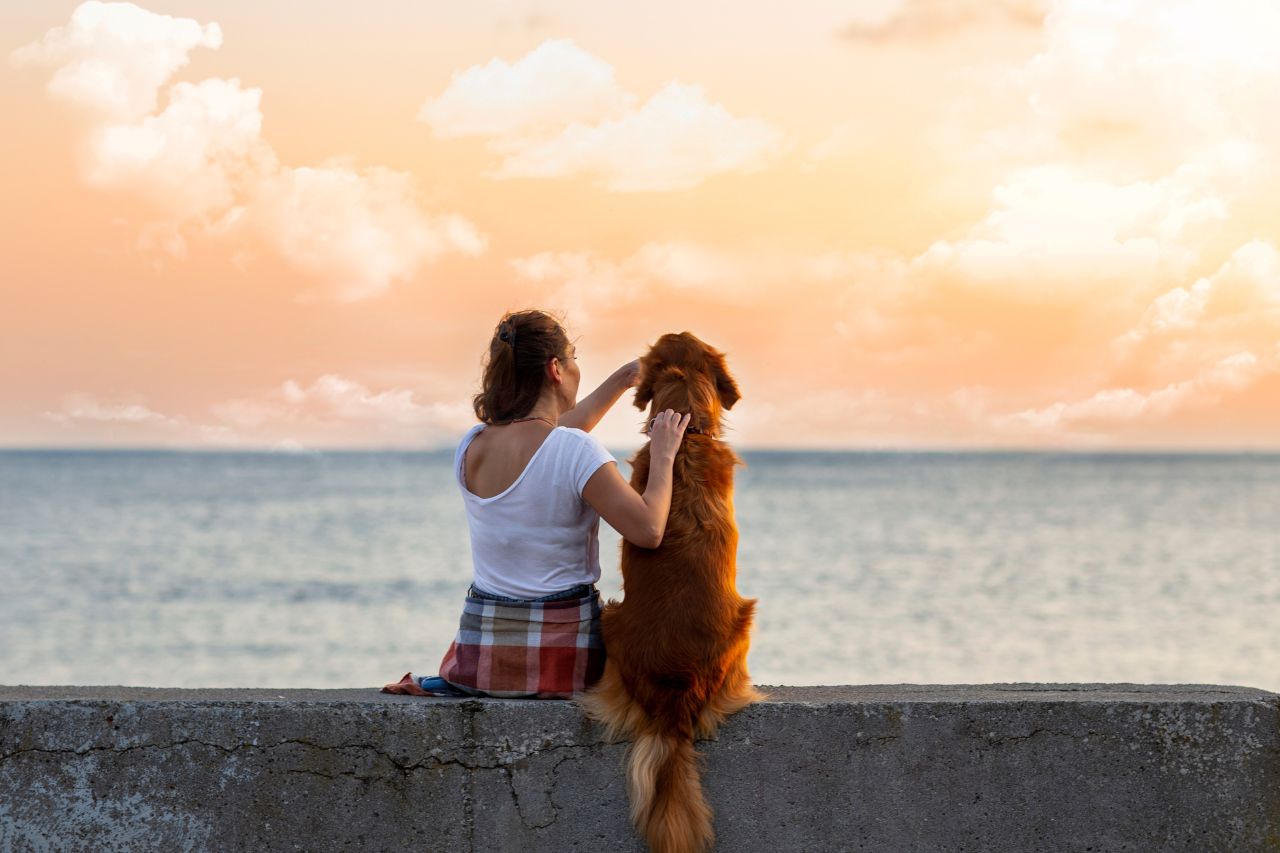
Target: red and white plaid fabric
x=526, y=649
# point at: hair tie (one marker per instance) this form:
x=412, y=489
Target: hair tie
x=507, y=334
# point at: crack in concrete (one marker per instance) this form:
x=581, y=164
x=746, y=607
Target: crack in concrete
x=552, y=775
x=504, y=760
x=365, y=780
x=472, y=710
x=509, y=775
x=130, y=748
x=1210, y=754
x=429, y=761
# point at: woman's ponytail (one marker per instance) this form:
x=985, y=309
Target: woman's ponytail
x=514, y=375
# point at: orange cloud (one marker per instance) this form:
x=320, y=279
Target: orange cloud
x=915, y=20
x=1076, y=245
x=317, y=414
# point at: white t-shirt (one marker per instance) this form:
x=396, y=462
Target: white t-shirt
x=539, y=536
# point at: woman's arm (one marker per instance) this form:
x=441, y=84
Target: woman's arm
x=591, y=408
x=640, y=519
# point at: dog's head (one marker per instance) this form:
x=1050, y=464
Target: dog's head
x=682, y=373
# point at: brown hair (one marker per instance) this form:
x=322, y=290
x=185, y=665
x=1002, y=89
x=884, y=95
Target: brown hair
x=514, y=370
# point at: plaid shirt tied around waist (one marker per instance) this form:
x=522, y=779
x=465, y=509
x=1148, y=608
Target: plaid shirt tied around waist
x=526, y=649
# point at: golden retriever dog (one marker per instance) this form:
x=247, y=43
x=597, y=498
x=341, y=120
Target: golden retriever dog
x=676, y=647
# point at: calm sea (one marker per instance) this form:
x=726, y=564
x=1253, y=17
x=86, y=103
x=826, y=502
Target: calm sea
x=348, y=569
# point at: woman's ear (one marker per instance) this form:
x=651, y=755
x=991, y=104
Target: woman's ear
x=725, y=386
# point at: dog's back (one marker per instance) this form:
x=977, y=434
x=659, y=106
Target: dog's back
x=682, y=611
x=676, y=647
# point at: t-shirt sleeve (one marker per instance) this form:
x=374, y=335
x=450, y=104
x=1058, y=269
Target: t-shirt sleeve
x=591, y=455
x=458, y=474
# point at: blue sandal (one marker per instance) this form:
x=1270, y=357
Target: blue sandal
x=437, y=686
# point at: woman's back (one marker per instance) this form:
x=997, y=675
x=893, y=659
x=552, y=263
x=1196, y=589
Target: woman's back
x=498, y=455
x=531, y=532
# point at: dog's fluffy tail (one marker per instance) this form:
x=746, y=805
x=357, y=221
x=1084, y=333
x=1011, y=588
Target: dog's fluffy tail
x=663, y=785
x=667, y=804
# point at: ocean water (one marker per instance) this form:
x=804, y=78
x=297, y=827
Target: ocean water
x=348, y=569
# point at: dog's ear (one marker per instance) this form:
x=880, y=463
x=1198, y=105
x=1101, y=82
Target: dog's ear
x=725, y=386
x=644, y=388
x=651, y=375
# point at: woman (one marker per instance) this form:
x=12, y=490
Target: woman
x=536, y=484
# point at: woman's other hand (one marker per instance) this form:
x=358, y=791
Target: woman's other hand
x=666, y=431
x=629, y=374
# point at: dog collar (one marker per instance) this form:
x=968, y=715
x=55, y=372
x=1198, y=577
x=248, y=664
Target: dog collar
x=693, y=430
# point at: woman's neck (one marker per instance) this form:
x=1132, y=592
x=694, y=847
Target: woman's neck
x=545, y=409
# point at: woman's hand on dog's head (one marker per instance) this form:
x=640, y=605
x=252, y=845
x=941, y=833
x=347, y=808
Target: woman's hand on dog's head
x=666, y=431
x=629, y=374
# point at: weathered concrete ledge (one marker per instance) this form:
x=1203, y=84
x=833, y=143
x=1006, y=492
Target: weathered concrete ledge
x=1013, y=767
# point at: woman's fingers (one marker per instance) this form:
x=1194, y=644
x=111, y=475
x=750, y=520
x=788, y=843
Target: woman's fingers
x=669, y=423
x=667, y=418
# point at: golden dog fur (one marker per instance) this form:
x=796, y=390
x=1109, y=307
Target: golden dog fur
x=676, y=647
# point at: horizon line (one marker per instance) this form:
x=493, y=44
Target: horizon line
x=828, y=449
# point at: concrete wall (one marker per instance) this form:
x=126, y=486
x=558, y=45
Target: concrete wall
x=1019, y=767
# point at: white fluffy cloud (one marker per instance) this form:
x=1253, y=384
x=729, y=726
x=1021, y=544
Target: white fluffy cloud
x=315, y=414
x=134, y=422
x=1239, y=305
x=323, y=411
x=1126, y=406
x=674, y=141
x=1229, y=316
x=1153, y=81
x=356, y=230
x=1189, y=349
x=112, y=58
x=1148, y=146
x=80, y=406
x=202, y=163
x=554, y=85
x=349, y=400
x=1149, y=127
x=1192, y=347
x=194, y=159
x=559, y=112
x=588, y=284
x=1054, y=234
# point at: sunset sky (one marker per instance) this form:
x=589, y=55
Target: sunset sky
x=909, y=223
